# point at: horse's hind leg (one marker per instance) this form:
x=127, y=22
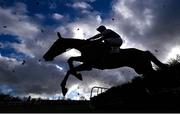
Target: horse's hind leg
x=148, y=68
x=155, y=60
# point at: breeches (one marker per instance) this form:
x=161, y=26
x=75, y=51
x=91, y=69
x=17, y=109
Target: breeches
x=115, y=42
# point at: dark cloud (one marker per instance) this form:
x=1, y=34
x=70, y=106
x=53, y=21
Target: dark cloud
x=164, y=33
x=166, y=19
x=153, y=24
x=32, y=77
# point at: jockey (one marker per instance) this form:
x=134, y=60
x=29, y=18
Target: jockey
x=108, y=37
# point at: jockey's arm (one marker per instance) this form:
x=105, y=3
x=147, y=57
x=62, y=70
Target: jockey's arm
x=95, y=37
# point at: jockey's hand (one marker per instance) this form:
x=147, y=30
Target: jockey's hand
x=97, y=36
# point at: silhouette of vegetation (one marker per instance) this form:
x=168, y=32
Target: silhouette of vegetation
x=159, y=92
x=15, y=104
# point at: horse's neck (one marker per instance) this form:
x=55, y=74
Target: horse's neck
x=74, y=43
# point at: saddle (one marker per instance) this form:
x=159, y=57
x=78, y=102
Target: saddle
x=114, y=50
x=108, y=52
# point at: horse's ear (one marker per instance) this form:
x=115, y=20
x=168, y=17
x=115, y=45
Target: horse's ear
x=59, y=35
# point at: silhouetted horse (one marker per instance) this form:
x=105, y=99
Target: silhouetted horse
x=139, y=60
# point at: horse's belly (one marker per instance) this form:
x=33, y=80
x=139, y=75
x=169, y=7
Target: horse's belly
x=117, y=61
x=110, y=64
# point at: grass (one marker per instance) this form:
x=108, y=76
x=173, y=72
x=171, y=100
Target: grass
x=13, y=104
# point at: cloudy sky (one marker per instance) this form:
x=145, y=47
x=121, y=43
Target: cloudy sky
x=28, y=28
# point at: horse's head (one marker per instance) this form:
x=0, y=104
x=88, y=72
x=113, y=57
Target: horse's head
x=56, y=49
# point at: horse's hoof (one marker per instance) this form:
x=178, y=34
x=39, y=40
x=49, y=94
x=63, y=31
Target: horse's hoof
x=79, y=76
x=64, y=91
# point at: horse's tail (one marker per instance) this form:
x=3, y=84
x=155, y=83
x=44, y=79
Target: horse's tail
x=155, y=60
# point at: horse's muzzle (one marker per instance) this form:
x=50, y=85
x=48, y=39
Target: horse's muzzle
x=47, y=58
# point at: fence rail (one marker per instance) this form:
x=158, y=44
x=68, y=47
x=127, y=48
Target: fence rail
x=99, y=90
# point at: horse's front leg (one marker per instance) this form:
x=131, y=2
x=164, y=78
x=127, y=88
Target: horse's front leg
x=63, y=83
x=81, y=67
x=71, y=66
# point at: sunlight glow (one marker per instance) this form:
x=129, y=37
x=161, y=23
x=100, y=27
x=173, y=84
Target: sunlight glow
x=73, y=93
x=78, y=33
x=173, y=53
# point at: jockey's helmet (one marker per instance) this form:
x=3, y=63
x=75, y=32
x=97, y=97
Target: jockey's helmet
x=101, y=28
